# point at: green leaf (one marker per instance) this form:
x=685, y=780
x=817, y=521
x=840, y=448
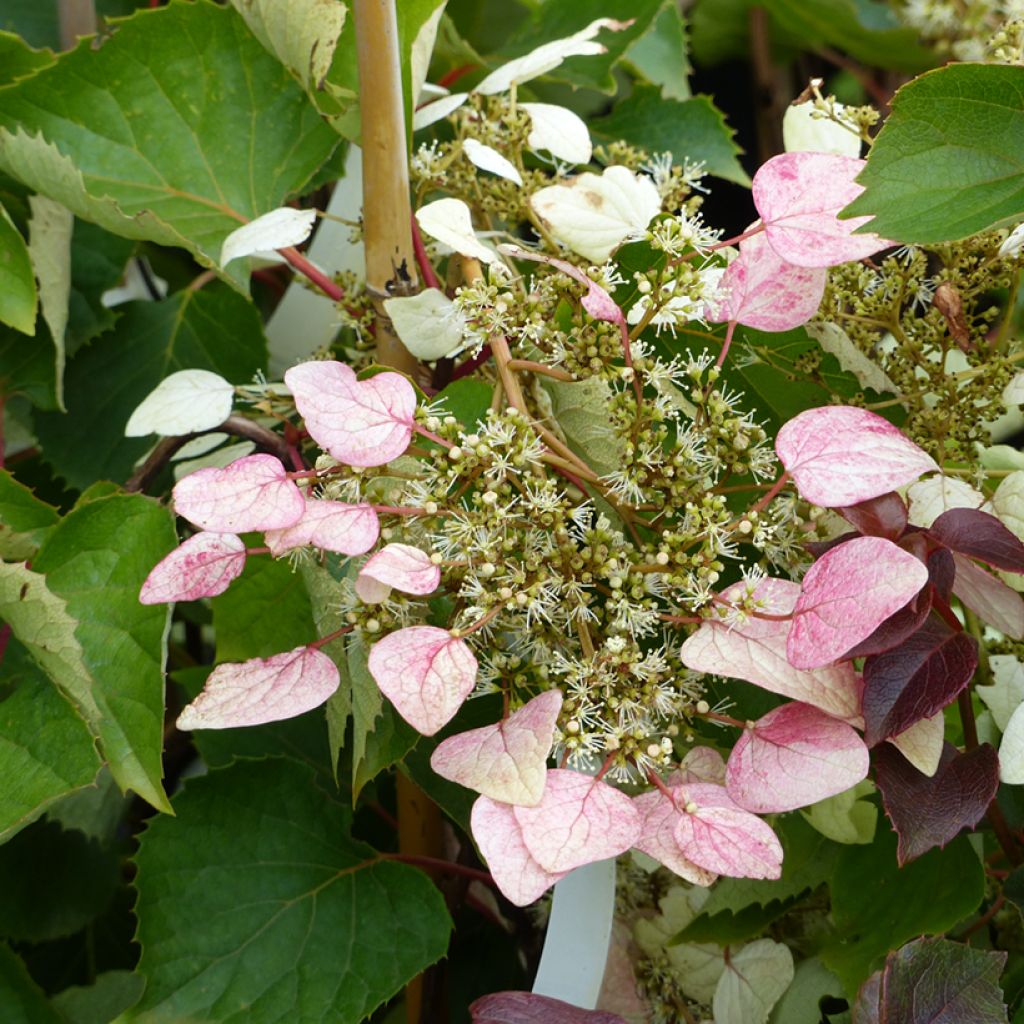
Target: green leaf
x=694, y=130
x=36, y=22
x=846, y=817
x=46, y=750
x=112, y=993
x=22, y=1000
x=96, y=811
x=660, y=54
x=98, y=261
x=24, y=519
x=468, y=400
x=877, y=906
x=257, y=863
x=18, y=296
x=581, y=409
x=950, y=160
x=178, y=128
x=97, y=560
x=800, y=1004
x=265, y=611
x=18, y=59
x=210, y=329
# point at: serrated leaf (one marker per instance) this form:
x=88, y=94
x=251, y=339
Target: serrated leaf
x=949, y=161
x=259, y=860
x=211, y=329
x=18, y=297
x=177, y=129
x=17, y=58
x=97, y=560
x=660, y=54
x=694, y=129
x=24, y=519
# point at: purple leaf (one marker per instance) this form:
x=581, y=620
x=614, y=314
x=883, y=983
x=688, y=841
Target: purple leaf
x=928, y=812
x=989, y=598
x=884, y=516
x=527, y=1008
x=916, y=679
x=980, y=535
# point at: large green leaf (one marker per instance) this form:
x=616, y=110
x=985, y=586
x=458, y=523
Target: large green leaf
x=18, y=296
x=178, y=128
x=660, y=55
x=22, y=1000
x=24, y=519
x=18, y=59
x=213, y=328
x=877, y=906
x=101, y=1002
x=694, y=129
x=97, y=560
x=256, y=907
x=950, y=160
x=46, y=750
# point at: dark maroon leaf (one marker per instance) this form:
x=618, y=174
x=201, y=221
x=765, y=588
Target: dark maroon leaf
x=928, y=812
x=935, y=981
x=942, y=573
x=527, y=1008
x=819, y=547
x=973, y=532
x=914, y=680
x=884, y=516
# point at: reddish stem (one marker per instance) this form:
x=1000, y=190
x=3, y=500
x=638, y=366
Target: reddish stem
x=5, y=636
x=725, y=345
x=422, y=259
x=770, y=493
x=430, y=436
x=325, y=640
x=441, y=865
x=318, y=277
x=448, y=79
x=466, y=368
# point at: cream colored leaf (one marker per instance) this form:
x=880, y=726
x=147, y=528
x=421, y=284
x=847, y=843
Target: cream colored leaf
x=489, y=159
x=1006, y=692
x=846, y=817
x=558, y=130
x=433, y=112
x=922, y=743
x=450, y=222
x=752, y=983
x=186, y=402
x=930, y=497
x=805, y=129
x=429, y=324
x=275, y=230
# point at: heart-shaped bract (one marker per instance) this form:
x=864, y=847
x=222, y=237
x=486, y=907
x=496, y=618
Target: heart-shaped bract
x=262, y=690
x=360, y=422
x=506, y=761
x=253, y=493
x=425, y=672
x=398, y=566
x=659, y=814
x=330, y=526
x=202, y=566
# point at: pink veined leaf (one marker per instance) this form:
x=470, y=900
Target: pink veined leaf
x=846, y=594
x=203, y=566
x=719, y=836
x=763, y=291
x=530, y=1008
x=425, y=672
x=361, y=423
x=799, y=196
x=330, y=526
x=659, y=817
x=989, y=598
x=506, y=761
x=702, y=764
x=262, y=690
x=579, y=820
x=839, y=455
x=399, y=566
x=794, y=756
x=514, y=870
x=756, y=652
x=253, y=493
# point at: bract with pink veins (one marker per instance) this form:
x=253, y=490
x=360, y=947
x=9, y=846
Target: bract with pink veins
x=330, y=526
x=846, y=595
x=506, y=761
x=989, y=598
x=579, y=820
x=262, y=690
x=755, y=650
x=360, y=422
x=761, y=290
x=839, y=455
x=253, y=493
x=398, y=566
x=203, y=566
x=794, y=756
x=799, y=196
x=702, y=764
x=425, y=672
x=719, y=836
x=659, y=815
x=514, y=870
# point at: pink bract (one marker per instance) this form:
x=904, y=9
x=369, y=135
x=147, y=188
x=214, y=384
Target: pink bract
x=799, y=196
x=702, y=764
x=761, y=290
x=848, y=592
x=253, y=493
x=579, y=820
x=719, y=836
x=989, y=598
x=398, y=566
x=203, y=566
x=794, y=756
x=839, y=455
x=659, y=816
x=506, y=761
x=425, y=672
x=755, y=650
x=361, y=423
x=514, y=870
x=262, y=690
x=330, y=526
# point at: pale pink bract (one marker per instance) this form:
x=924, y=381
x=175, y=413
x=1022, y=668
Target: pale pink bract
x=330, y=526
x=659, y=816
x=202, y=566
x=399, y=566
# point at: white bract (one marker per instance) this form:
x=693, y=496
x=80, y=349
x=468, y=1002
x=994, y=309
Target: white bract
x=450, y=222
x=558, y=130
x=429, y=324
x=1013, y=242
x=805, y=129
x=489, y=159
x=186, y=402
x=275, y=230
